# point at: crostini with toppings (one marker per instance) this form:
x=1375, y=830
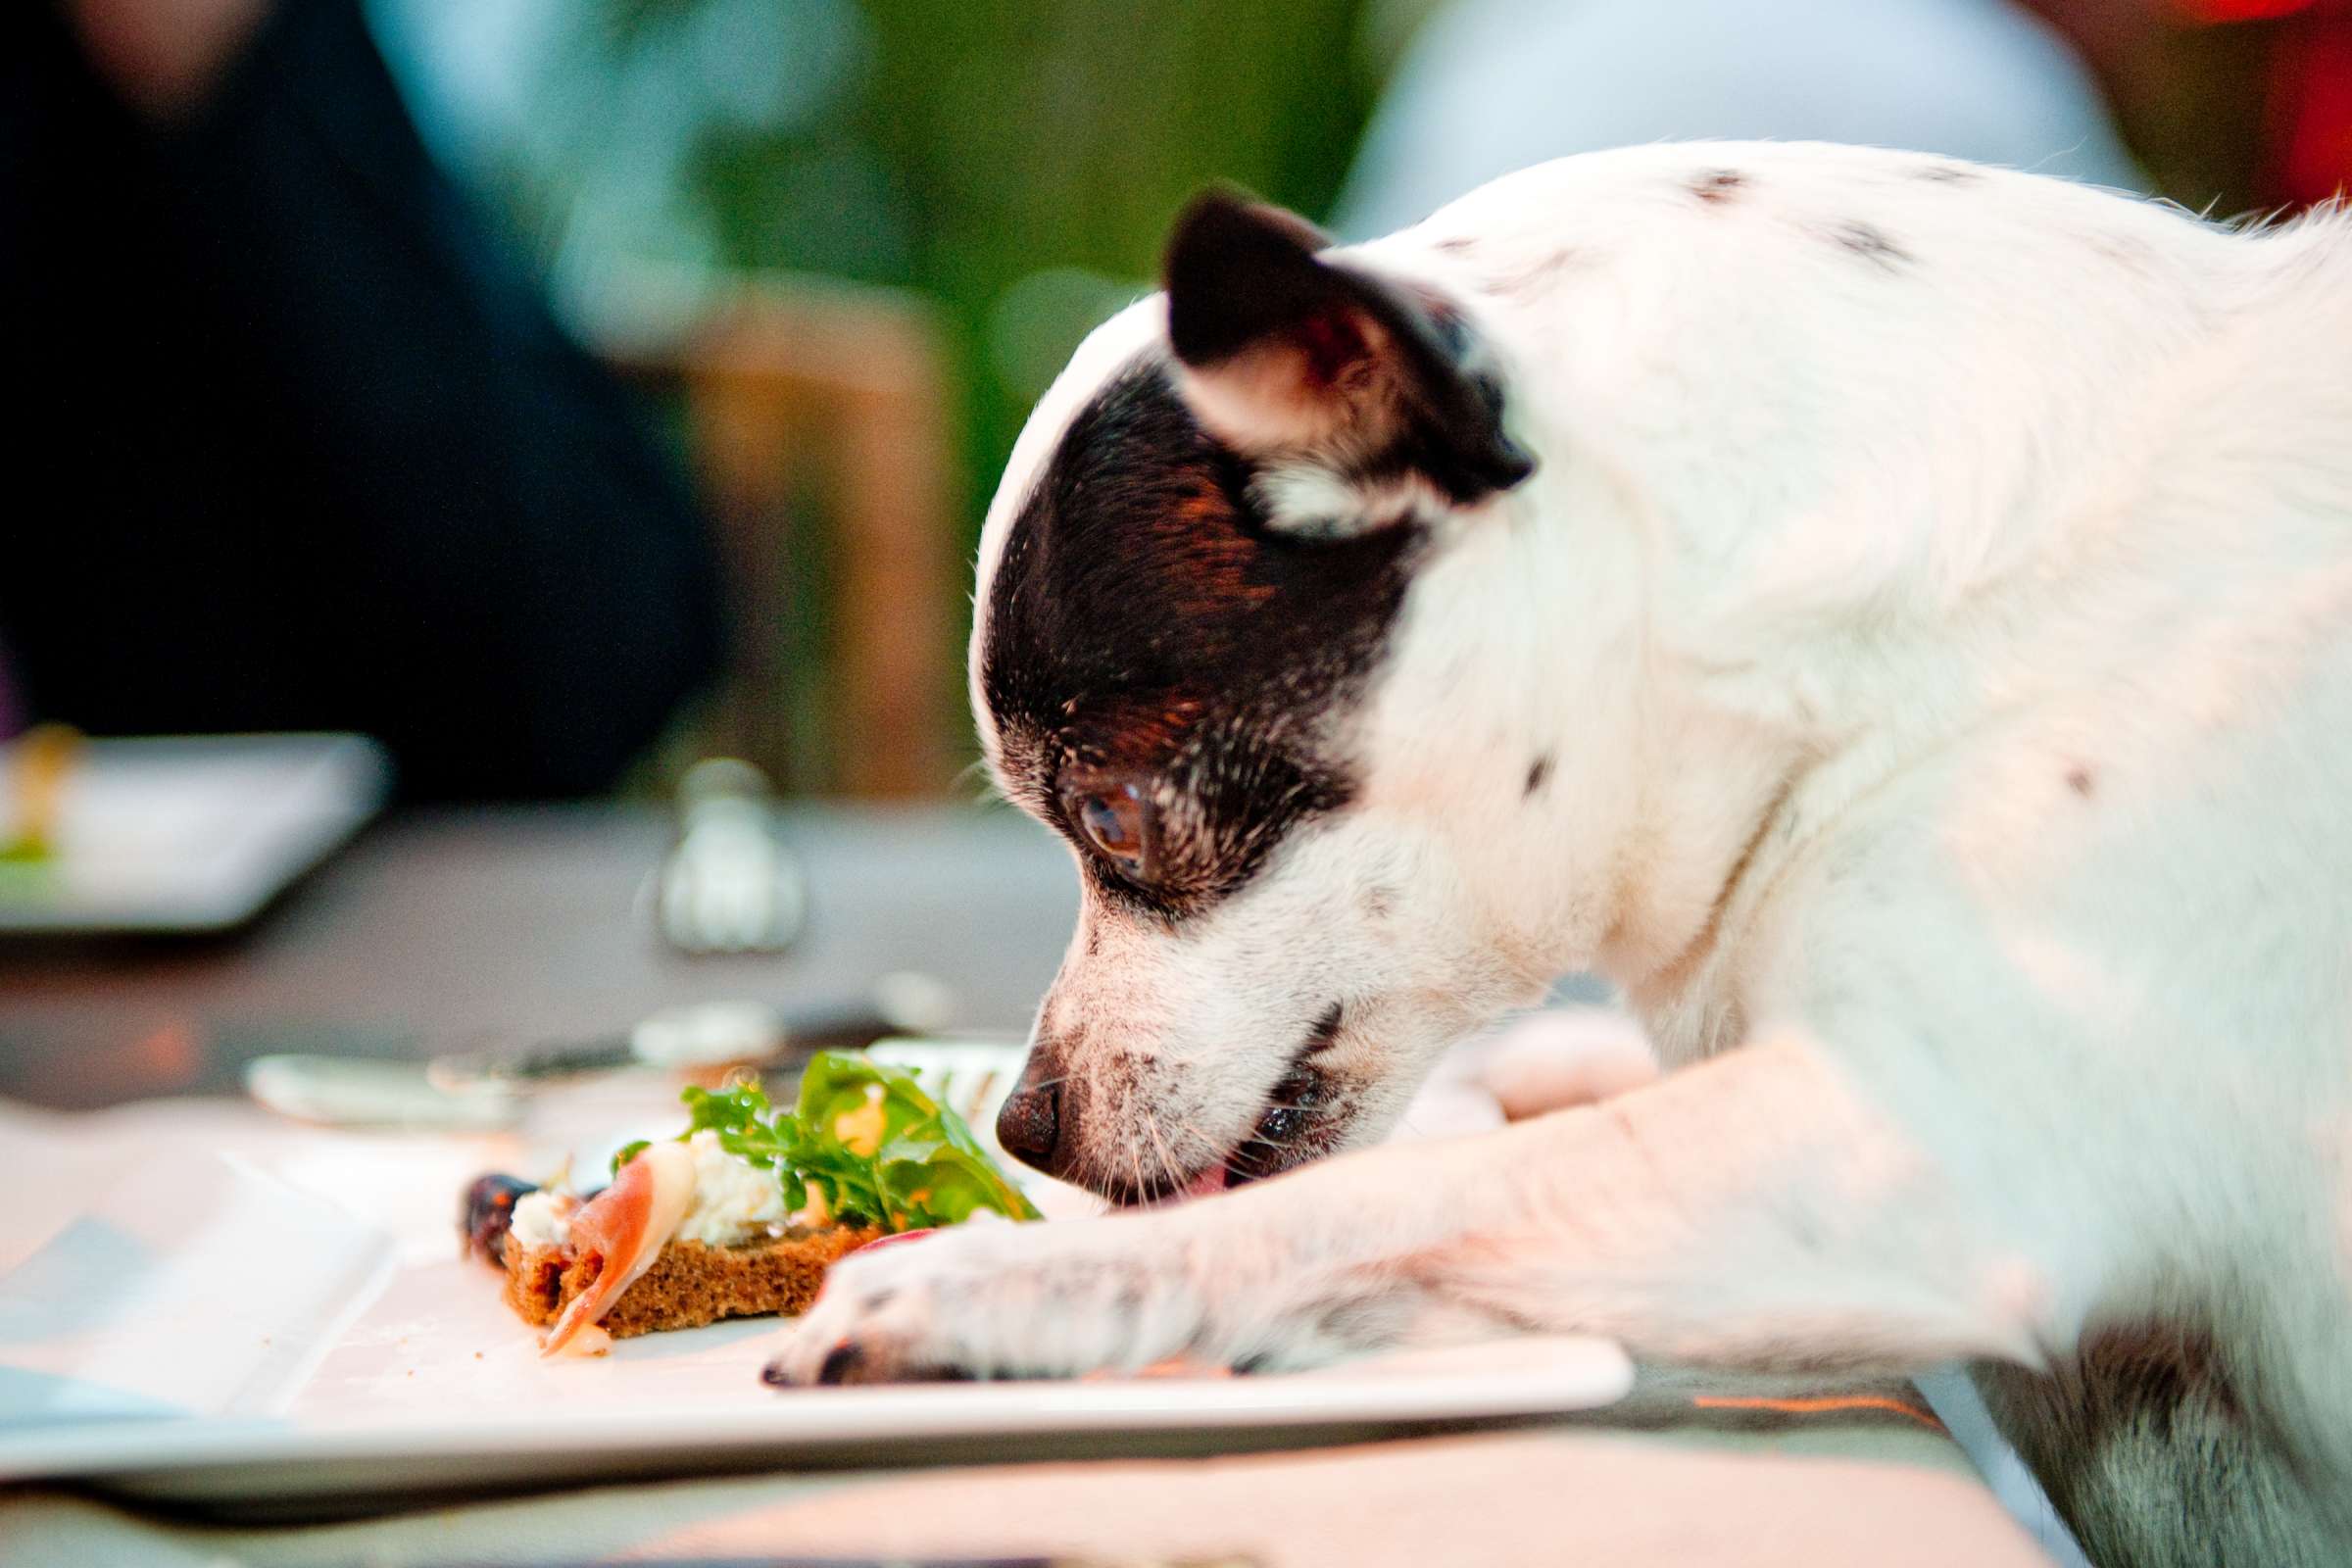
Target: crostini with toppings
x=743, y=1212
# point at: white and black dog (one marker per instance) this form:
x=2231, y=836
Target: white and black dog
x=1892, y=616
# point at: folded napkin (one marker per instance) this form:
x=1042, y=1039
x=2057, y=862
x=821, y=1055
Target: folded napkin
x=195, y=1286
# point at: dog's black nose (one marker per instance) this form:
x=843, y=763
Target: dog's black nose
x=1030, y=1126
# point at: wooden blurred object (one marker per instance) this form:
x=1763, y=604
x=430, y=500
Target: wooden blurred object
x=812, y=403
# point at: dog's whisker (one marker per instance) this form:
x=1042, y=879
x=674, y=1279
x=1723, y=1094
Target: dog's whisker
x=1200, y=1136
x=1160, y=1144
x=1135, y=1168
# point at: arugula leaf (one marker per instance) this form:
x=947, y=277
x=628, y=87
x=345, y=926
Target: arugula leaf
x=915, y=1155
x=865, y=1137
x=749, y=1129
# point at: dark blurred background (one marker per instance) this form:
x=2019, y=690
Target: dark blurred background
x=564, y=389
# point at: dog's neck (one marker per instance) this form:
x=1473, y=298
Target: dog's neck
x=1608, y=803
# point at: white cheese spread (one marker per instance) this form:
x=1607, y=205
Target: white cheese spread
x=734, y=1201
x=543, y=1218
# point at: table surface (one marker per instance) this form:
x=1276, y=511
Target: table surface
x=441, y=930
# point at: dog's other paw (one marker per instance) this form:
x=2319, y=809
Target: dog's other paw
x=1563, y=1056
x=1000, y=1301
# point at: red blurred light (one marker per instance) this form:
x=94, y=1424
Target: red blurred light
x=2312, y=97
x=2241, y=10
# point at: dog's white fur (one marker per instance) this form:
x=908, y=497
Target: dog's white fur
x=1943, y=656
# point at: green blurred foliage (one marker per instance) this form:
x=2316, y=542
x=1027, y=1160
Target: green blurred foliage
x=969, y=147
x=1034, y=133
x=1014, y=162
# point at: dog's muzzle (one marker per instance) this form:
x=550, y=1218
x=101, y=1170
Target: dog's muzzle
x=1304, y=1119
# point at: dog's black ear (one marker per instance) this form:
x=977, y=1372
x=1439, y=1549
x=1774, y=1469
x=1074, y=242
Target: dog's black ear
x=1286, y=351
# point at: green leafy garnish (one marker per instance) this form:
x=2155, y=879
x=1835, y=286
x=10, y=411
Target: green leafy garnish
x=865, y=1139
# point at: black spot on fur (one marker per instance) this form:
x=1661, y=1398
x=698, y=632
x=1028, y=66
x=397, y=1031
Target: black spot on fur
x=2080, y=781
x=1537, y=771
x=1324, y=1034
x=1718, y=186
x=2127, y=253
x=1869, y=241
x=1532, y=276
x=841, y=1363
x=1145, y=623
x=1456, y=243
x=1946, y=173
x=2149, y=1447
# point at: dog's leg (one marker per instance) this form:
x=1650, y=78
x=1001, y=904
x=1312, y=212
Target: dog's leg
x=1751, y=1210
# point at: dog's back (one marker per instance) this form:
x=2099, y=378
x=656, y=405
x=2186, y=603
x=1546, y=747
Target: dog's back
x=2116, y=664
x=2146, y=824
x=2204, y=1414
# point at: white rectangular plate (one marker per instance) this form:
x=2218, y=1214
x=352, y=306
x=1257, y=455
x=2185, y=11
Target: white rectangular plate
x=289, y=1329
x=690, y=1403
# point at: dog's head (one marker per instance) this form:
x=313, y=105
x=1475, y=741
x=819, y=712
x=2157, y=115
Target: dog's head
x=1191, y=586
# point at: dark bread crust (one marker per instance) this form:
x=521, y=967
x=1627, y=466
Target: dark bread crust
x=690, y=1284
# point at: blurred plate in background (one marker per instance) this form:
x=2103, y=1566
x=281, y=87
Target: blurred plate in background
x=183, y=834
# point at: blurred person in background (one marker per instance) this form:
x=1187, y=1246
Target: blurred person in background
x=1489, y=86
x=296, y=445
x=2234, y=105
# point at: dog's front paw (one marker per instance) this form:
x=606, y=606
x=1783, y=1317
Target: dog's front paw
x=1000, y=1300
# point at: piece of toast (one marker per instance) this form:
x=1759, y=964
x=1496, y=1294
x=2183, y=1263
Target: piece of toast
x=689, y=1283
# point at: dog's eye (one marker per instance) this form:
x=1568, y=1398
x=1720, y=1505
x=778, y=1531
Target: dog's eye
x=1117, y=822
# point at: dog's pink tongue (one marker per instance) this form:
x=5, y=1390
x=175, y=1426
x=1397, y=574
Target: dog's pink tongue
x=1209, y=1182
